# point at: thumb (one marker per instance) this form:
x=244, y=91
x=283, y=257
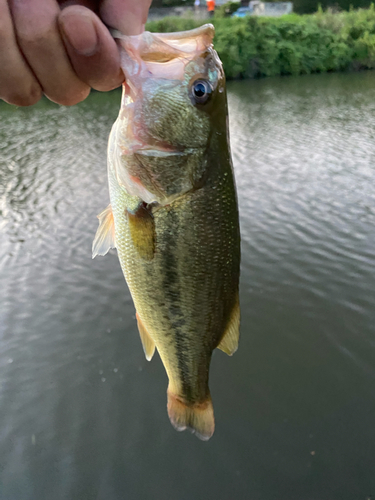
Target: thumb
x=92, y=50
x=127, y=16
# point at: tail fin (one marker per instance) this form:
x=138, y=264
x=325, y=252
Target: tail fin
x=199, y=418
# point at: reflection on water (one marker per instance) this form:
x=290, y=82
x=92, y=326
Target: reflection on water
x=82, y=414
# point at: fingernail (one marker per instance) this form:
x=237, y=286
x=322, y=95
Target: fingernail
x=81, y=34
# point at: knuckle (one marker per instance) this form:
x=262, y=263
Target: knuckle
x=20, y=97
x=71, y=97
x=30, y=38
x=5, y=24
x=4, y=36
x=105, y=86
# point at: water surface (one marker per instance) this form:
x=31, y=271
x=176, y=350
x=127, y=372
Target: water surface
x=83, y=414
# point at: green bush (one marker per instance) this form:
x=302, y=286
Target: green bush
x=171, y=24
x=227, y=9
x=253, y=47
x=176, y=3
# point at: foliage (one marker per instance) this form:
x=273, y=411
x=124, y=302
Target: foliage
x=259, y=46
x=310, y=6
x=171, y=3
x=177, y=3
x=227, y=9
x=171, y=24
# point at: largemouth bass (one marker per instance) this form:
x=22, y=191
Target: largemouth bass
x=173, y=216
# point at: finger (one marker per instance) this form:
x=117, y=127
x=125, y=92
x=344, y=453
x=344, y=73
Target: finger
x=92, y=50
x=38, y=36
x=18, y=85
x=128, y=16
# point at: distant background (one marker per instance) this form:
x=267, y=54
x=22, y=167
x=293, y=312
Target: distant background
x=300, y=6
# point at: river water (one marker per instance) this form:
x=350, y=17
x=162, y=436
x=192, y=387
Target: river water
x=83, y=414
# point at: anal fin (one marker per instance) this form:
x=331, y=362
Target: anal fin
x=105, y=234
x=229, y=342
x=142, y=231
x=147, y=342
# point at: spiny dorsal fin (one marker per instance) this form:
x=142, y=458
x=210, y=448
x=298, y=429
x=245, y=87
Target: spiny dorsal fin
x=229, y=342
x=142, y=231
x=105, y=234
x=147, y=342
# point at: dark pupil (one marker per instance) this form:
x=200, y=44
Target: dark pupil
x=199, y=89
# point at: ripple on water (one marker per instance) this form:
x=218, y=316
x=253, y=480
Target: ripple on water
x=75, y=394
x=306, y=194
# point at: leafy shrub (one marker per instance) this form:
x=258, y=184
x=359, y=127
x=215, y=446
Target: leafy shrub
x=176, y=3
x=171, y=24
x=227, y=9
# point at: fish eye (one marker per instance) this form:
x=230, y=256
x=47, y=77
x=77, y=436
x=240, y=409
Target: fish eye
x=201, y=91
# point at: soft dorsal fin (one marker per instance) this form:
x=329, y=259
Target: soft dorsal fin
x=229, y=342
x=142, y=231
x=147, y=342
x=105, y=234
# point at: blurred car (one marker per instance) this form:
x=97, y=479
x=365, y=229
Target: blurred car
x=242, y=12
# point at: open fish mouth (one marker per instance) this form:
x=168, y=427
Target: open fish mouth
x=162, y=55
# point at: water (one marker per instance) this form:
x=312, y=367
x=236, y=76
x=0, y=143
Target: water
x=83, y=414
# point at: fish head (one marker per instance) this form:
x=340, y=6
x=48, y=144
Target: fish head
x=173, y=90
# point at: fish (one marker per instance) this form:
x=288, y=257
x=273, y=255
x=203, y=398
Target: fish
x=173, y=213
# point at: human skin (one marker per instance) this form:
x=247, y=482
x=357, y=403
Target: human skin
x=62, y=48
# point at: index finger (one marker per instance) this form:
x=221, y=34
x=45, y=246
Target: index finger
x=18, y=85
x=39, y=38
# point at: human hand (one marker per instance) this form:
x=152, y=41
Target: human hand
x=62, y=48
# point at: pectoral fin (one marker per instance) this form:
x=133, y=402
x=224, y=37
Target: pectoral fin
x=229, y=342
x=105, y=235
x=142, y=231
x=147, y=342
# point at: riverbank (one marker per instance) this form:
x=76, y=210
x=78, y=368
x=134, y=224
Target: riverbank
x=254, y=47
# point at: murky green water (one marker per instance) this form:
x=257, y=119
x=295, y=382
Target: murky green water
x=83, y=414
